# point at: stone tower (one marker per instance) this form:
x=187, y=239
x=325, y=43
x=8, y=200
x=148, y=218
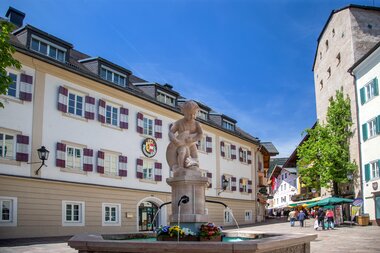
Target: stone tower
x=347, y=35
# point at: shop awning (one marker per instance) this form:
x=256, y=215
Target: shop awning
x=304, y=202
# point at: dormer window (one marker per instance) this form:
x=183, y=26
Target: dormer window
x=228, y=125
x=202, y=114
x=165, y=98
x=112, y=76
x=47, y=48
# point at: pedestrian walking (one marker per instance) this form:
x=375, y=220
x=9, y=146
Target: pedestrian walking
x=292, y=217
x=330, y=219
x=321, y=218
x=301, y=218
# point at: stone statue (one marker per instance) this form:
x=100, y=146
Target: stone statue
x=183, y=135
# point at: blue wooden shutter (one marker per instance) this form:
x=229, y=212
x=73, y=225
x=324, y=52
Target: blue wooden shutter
x=367, y=172
x=378, y=124
x=362, y=95
x=22, y=153
x=26, y=83
x=376, y=87
x=365, y=132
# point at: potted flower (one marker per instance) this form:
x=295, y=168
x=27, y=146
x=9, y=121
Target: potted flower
x=210, y=232
x=168, y=233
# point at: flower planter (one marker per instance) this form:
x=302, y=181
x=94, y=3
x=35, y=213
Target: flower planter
x=217, y=238
x=174, y=239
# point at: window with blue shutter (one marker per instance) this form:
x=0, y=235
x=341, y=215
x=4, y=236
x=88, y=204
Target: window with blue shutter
x=362, y=95
x=367, y=172
x=365, y=132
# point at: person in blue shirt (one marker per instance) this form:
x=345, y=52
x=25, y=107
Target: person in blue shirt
x=301, y=218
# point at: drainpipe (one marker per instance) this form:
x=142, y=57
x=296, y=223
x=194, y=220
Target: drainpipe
x=360, y=147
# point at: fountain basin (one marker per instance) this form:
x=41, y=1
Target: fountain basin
x=263, y=242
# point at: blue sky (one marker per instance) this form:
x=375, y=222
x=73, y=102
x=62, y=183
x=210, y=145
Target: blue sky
x=250, y=60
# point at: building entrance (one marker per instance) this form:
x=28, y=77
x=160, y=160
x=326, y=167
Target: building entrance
x=147, y=210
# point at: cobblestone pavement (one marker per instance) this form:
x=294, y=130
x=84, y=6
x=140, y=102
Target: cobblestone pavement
x=354, y=239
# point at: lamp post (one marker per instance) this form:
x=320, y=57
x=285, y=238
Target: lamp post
x=43, y=154
x=225, y=184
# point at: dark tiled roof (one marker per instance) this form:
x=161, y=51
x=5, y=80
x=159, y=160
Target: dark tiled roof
x=74, y=65
x=274, y=162
x=270, y=148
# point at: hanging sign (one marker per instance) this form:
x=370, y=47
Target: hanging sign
x=357, y=202
x=149, y=147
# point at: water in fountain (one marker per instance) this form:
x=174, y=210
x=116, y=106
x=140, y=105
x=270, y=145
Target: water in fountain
x=232, y=215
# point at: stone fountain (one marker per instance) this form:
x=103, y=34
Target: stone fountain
x=188, y=208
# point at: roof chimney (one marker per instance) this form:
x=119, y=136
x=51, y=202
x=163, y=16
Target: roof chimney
x=15, y=16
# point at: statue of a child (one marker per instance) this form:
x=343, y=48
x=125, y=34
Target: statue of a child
x=183, y=135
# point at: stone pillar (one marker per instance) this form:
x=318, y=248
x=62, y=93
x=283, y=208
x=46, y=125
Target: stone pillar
x=193, y=185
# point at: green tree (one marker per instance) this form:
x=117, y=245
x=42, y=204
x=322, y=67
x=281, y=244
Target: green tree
x=324, y=158
x=6, y=57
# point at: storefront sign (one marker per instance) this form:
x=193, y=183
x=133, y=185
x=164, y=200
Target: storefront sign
x=357, y=202
x=149, y=147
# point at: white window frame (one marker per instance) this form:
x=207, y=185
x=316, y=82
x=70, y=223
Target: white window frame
x=146, y=119
x=2, y=145
x=17, y=74
x=369, y=89
x=227, y=217
x=202, y=144
x=227, y=150
x=229, y=179
x=248, y=215
x=244, y=155
x=117, y=208
x=228, y=125
x=74, y=157
x=165, y=98
x=12, y=222
x=202, y=114
x=374, y=169
x=244, y=184
x=148, y=171
x=81, y=221
x=111, y=167
x=76, y=94
x=112, y=116
x=49, y=45
x=113, y=73
x=371, y=128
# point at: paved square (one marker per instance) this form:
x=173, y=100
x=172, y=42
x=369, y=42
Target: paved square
x=342, y=239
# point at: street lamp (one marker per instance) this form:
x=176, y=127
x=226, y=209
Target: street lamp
x=225, y=184
x=43, y=154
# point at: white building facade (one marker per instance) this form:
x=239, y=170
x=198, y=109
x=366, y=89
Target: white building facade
x=107, y=133
x=367, y=75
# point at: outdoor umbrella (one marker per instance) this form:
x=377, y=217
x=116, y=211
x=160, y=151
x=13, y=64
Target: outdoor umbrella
x=331, y=201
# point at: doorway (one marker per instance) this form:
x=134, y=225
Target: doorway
x=147, y=211
x=377, y=209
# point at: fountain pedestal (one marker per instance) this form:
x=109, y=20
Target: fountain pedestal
x=187, y=182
